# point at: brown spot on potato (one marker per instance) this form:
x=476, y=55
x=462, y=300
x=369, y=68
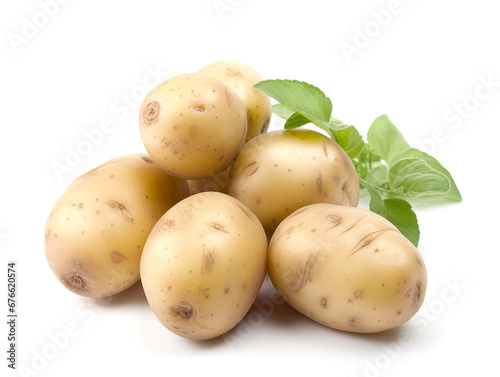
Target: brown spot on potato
x=366, y=240
x=117, y=257
x=198, y=108
x=353, y=225
x=231, y=72
x=164, y=144
x=323, y=302
x=216, y=226
x=346, y=192
x=319, y=185
x=417, y=295
x=184, y=311
x=252, y=168
x=297, y=278
x=344, y=156
x=358, y=294
x=227, y=290
x=334, y=220
x=204, y=291
x=151, y=113
x=76, y=280
x=207, y=263
x=147, y=159
x=124, y=212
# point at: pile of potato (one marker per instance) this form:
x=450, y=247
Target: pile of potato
x=216, y=203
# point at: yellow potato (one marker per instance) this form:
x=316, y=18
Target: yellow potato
x=203, y=265
x=96, y=231
x=192, y=125
x=241, y=78
x=347, y=268
x=279, y=172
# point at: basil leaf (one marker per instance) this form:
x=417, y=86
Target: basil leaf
x=388, y=142
x=412, y=177
x=385, y=139
x=453, y=194
x=282, y=111
x=298, y=96
x=378, y=176
x=296, y=120
x=349, y=139
x=397, y=211
x=346, y=136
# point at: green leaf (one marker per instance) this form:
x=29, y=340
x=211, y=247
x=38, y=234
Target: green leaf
x=385, y=139
x=349, y=139
x=282, y=111
x=346, y=136
x=298, y=96
x=412, y=177
x=401, y=215
x=296, y=120
x=453, y=194
x=378, y=176
x=368, y=155
x=397, y=211
x=388, y=142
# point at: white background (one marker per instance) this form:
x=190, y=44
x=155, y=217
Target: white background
x=84, y=62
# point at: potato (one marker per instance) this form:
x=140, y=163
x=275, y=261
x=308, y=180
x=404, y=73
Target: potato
x=241, y=78
x=279, y=172
x=96, y=231
x=347, y=268
x=203, y=265
x=192, y=125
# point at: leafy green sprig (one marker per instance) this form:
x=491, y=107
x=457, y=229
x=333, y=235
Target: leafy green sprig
x=389, y=169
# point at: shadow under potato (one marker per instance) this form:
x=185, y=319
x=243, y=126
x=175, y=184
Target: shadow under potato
x=271, y=310
x=133, y=295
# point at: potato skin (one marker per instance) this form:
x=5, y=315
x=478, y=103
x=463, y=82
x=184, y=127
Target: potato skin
x=241, y=78
x=203, y=265
x=279, y=172
x=347, y=268
x=192, y=125
x=96, y=231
